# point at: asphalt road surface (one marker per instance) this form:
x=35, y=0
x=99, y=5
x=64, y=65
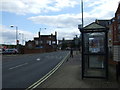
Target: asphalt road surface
x=20, y=71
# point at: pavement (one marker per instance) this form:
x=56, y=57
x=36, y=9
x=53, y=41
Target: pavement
x=69, y=76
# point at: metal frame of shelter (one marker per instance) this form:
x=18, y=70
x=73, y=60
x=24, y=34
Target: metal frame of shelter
x=92, y=29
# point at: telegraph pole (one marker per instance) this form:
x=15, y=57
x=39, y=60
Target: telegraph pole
x=82, y=12
x=17, y=42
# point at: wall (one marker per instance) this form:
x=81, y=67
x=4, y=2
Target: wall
x=116, y=35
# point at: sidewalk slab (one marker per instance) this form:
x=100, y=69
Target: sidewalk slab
x=69, y=76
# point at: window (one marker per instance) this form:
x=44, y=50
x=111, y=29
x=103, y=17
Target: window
x=113, y=20
x=53, y=42
x=47, y=42
x=41, y=42
x=118, y=17
x=119, y=37
x=119, y=28
x=36, y=42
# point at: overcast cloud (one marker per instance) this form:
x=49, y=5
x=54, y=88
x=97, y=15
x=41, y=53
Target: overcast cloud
x=35, y=6
x=63, y=20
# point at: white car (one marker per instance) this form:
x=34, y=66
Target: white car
x=10, y=51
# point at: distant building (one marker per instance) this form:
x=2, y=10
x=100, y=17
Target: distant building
x=43, y=42
x=65, y=44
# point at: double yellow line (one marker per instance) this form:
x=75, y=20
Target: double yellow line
x=48, y=74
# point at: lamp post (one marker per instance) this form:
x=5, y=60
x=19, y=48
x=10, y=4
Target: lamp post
x=22, y=38
x=82, y=12
x=42, y=28
x=16, y=33
x=80, y=27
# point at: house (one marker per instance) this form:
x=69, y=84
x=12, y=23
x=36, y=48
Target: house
x=116, y=35
x=46, y=41
x=42, y=43
x=116, y=40
x=113, y=34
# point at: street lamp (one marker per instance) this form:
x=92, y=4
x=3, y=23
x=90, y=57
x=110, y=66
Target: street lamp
x=80, y=26
x=16, y=33
x=22, y=39
x=82, y=13
x=42, y=28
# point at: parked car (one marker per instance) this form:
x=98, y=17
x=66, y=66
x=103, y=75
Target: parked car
x=10, y=51
x=0, y=50
x=68, y=48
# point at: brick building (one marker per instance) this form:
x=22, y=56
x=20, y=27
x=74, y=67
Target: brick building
x=42, y=43
x=113, y=34
x=116, y=35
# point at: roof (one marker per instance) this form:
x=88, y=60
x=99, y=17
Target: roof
x=47, y=37
x=104, y=23
x=102, y=19
x=94, y=26
x=118, y=9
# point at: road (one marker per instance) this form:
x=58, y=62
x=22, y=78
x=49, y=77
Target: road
x=20, y=71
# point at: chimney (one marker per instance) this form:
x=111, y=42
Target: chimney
x=96, y=21
x=39, y=34
x=55, y=33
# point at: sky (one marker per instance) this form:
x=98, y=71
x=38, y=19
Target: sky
x=63, y=16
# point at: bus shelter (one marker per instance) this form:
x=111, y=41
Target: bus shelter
x=94, y=51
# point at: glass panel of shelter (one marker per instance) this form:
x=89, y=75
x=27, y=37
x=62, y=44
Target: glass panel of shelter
x=94, y=42
x=94, y=54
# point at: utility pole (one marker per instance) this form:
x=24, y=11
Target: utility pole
x=82, y=12
x=16, y=33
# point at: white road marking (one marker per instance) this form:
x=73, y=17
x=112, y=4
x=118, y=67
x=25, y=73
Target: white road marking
x=10, y=55
x=38, y=59
x=18, y=66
